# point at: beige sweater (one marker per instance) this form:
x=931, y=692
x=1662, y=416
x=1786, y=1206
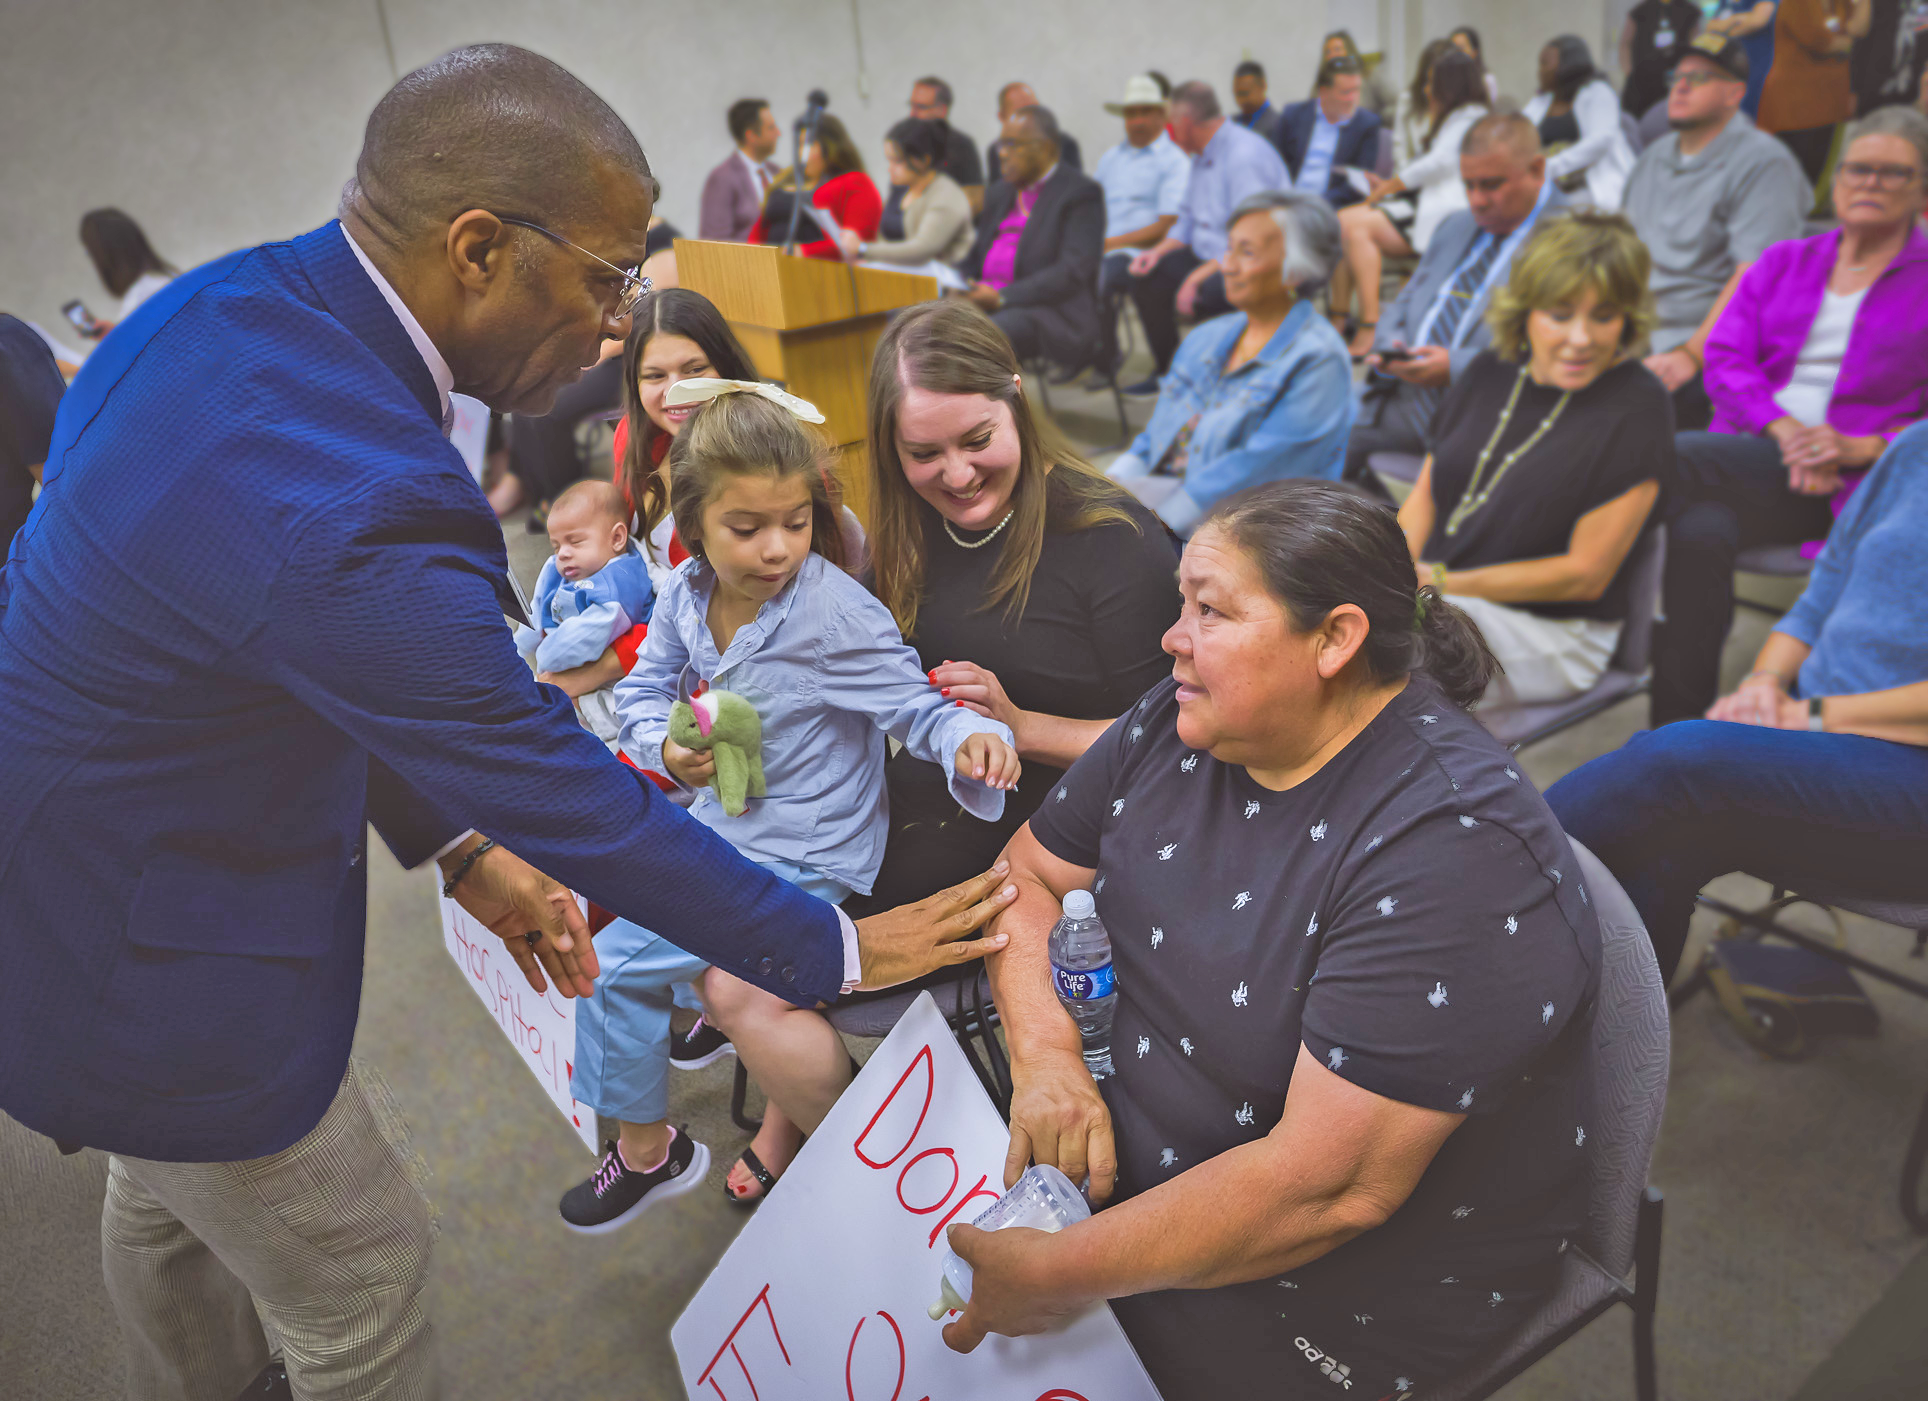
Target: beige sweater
x=937, y=224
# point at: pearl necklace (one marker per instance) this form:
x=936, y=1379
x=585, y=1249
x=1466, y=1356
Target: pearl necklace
x=978, y=544
x=1474, y=497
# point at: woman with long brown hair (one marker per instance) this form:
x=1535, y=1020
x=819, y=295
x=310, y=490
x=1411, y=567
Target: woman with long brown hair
x=1034, y=590
x=675, y=334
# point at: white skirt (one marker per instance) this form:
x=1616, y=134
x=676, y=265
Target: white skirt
x=1544, y=659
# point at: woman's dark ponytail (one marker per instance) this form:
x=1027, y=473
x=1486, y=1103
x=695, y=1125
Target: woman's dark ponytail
x=1321, y=544
x=1451, y=649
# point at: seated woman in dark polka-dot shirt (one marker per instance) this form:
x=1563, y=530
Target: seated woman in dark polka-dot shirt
x=1352, y=951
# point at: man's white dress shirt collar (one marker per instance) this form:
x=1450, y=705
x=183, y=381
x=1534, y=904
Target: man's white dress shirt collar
x=438, y=368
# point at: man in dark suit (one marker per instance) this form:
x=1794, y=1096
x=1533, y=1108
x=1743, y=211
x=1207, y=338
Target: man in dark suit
x=733, y=193
x=1034, y=266
x=1438, y=320
x=293, y=629
x=1013, y=98
x=1328, y=132
x=1253, y=106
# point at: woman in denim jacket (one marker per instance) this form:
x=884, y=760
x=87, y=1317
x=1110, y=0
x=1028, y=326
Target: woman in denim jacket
x=1258, y=395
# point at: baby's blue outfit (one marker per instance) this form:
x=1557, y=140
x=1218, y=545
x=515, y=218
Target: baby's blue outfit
x=830, y=676
x=576, y=619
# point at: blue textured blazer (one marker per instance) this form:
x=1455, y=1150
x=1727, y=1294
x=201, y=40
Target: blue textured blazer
x=249, y=476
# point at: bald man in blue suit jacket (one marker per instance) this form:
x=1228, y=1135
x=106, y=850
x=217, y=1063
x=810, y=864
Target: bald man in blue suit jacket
x=258, y=606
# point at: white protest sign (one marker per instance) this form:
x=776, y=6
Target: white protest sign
x=823, y=1297
x=542, y=1027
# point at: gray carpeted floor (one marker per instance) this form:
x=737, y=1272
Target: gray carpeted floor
x=1781, y=1228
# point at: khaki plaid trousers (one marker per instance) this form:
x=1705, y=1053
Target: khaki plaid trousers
x=319, y=1252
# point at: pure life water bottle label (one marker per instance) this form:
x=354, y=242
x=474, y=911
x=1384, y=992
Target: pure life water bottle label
x=1082, y=987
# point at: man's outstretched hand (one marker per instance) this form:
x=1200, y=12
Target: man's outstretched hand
x=913, y=940
x=515, y=901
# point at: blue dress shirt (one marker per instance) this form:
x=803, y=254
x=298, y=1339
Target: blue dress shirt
x=1235, y=163
x=830, y=676
x=1315, y=172
x=1142, y=184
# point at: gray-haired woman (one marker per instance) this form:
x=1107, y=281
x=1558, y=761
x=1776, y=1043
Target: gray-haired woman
x=1261, y=394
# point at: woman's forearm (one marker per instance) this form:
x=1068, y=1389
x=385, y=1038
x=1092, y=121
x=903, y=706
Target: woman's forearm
x=1899, y=714
x=1233, y=1218
x=1055, y=739
x=1554, y=579
x=579, y=681
x=1036, y=1026
x=1781, y=657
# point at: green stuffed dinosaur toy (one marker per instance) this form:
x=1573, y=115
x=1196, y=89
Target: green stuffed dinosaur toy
x=725, y=724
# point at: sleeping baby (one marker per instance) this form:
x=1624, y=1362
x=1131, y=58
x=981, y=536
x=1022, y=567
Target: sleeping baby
x=593, y=589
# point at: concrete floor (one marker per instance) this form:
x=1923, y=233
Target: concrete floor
x=1781, y=1227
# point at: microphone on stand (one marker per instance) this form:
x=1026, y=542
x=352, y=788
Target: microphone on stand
x=807, y=128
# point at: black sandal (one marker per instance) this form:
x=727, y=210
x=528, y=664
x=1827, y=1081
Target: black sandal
x=762, y=1174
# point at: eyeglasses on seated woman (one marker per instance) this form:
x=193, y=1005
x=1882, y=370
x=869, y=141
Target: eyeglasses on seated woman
x=1548, y=456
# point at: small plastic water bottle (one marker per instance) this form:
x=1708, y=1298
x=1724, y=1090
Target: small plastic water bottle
x=1042, y=1199
x=1081, y=969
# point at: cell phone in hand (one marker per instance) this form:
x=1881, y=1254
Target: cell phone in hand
x=83, y=319
x=1393, y=352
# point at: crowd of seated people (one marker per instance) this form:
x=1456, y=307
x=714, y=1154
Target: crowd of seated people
x=1591, y=343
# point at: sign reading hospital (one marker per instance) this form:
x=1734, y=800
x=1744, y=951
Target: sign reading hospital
x=824, y=1296
x=541, y=1026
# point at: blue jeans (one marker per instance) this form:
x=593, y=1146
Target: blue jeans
x=1680, y=805
x=622, y=1031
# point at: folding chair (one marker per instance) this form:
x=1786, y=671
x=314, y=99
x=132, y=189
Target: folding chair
x=1910, y=917
x=1627, y=1077
x=1038, y=372
x=1400, y=466
x=966, y=1004
x=1626, y=673
x=1775, y=561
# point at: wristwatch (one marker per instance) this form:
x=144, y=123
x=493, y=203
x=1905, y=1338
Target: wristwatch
x=1815, y=723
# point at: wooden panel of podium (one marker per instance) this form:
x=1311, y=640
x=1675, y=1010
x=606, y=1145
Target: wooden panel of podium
x=810, y=324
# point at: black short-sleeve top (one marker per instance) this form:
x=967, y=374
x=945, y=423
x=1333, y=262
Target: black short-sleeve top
x=1413, y=915
x=1609, y=437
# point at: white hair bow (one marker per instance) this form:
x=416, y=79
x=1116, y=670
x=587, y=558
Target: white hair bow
x=701, y=391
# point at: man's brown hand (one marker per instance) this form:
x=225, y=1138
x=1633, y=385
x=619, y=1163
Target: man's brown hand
x=515, y=901
x=913, y=940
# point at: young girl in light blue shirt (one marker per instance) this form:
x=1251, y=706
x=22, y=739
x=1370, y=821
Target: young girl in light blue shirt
x=761, y=609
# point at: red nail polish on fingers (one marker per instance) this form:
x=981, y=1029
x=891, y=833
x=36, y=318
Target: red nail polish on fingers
x=945, y=691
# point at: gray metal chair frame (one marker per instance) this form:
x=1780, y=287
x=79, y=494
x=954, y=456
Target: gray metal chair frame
x=1628, y=1072
x=1039, y=373
x=1914, y=1207
x=1626, y=673
x=1775, y=561
x=966, y=1004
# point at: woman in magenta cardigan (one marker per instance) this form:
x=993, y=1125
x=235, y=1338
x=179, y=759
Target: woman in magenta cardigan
x=1816, y=364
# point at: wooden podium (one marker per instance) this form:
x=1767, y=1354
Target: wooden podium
x=810, y=324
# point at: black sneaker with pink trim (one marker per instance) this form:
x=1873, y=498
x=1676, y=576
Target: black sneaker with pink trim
x=701, y=1045
x=615, y=1195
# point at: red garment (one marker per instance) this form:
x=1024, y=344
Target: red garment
x=658, y=450
x=853, y=202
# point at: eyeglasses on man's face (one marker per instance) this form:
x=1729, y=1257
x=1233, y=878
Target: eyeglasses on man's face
x=1881, y=177
x=634, y=284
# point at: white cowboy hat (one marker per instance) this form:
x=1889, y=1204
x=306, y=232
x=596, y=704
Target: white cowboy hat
x=1141, y=90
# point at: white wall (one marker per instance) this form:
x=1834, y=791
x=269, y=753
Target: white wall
x=221, y=123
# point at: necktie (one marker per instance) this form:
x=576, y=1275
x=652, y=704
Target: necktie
x=763, y=179
x=1459, y=297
